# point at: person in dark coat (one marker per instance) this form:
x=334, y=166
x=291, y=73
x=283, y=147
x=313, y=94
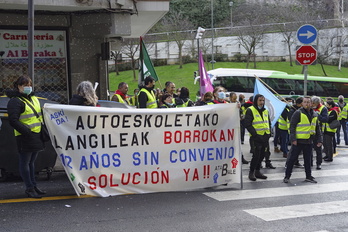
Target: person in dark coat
x=27, y=127
x=258, y=123
x=85, y=95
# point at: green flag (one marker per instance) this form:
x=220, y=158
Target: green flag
x=145, y=65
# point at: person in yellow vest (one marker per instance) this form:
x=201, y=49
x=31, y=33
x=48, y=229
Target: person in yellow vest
x=184, y=99
x=27, y=127
x=258, y=123
x=147, y=97
x=121, y=94
x=167, y=101
x=304, y=134
x=328, y=133
x=342, y=117
x=133, y=101
x=283, y=127
x=323, y=117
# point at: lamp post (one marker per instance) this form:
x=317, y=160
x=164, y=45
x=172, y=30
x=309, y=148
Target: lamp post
x=212, y=37
x=231, y=5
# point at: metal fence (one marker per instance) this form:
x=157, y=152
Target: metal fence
x=50, y=78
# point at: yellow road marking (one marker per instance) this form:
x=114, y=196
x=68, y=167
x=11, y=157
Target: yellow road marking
x=43, y=199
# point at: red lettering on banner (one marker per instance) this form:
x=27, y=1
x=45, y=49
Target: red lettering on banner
x=197, y=136
x=107, y=180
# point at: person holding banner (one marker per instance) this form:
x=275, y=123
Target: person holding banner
x=258, y=123
x=147, y=97
x=24, y=113
x=304, y=134
x=85, y=95
x=121, y=94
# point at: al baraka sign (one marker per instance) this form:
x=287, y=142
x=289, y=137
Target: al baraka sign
x=47, y=44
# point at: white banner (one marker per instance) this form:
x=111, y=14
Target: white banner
x=47, y=44
x=112, y=151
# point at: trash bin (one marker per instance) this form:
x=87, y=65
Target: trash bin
x=46, y=159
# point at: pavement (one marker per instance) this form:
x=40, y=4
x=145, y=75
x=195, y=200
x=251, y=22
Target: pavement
x=58, y=183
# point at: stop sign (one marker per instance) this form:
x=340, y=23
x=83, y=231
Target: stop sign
x=306, y=55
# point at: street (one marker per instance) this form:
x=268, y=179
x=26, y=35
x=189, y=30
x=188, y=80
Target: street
x=264, y=205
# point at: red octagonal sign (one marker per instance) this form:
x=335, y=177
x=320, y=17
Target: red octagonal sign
x=306, y=55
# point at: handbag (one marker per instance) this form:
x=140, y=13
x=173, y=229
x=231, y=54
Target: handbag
x=334, y=124
x=44, y=135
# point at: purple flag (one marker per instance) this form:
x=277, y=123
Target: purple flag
x=205, y=82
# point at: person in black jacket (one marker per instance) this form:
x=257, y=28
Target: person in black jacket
x=27, y=127
x=258, y=123
x=85, y=95
x=328, y=133
x=304, y=134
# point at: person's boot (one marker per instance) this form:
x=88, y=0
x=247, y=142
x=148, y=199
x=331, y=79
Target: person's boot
x=244, y=161
x=31, y=193
x=259, y=175
x=276, y=149
x=252, y=176
x=269, y=165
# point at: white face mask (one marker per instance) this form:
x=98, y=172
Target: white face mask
x=260, y=107
x=27, y=90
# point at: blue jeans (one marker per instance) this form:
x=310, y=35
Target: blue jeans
x=284, y=140
x=345, y=133
x=27, y=168
x=293, y=157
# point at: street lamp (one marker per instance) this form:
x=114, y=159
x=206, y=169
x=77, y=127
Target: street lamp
x=231, y=5
x=199, y=35
x=212, y=37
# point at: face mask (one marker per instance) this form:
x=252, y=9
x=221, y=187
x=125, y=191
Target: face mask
x=290, y=104
x=341, y=100
x=222, y=95
x=170, y=104
x=260, y=107
x=27, y=90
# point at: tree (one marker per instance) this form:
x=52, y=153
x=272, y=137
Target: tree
x=130, y=48
x=175, y=24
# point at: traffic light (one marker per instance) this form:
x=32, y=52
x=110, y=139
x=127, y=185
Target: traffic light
x=200, y=32
x=195, y=73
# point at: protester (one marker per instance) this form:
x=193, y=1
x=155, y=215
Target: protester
x=322, y=118
x=304, y=134
x=167, y=101
x=184, y=99
x=25, y=116
x=85, y=95
x=147, y=97
x=216, y=92
x=241, y=98
x=298, y=105
x=283, y=126
x=243, y=109
x=343, y=120
x=170, y=88
x=133, y=101
x=121, y=94
x=206, y=100
x=258, y=123
x=328, y=133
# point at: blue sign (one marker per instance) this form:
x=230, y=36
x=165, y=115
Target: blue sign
x=306, y=34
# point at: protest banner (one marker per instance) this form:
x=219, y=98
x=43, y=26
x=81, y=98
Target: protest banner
x=112, y=151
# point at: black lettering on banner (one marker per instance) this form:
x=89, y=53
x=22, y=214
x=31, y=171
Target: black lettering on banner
x=79, y=124
x=178, y=119
x=137, y=122
x=103, y=116
x=115, y=121
x=125, y=123
x=89, y=122
x=224, y=170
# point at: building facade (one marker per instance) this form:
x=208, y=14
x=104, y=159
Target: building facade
x=71, y=40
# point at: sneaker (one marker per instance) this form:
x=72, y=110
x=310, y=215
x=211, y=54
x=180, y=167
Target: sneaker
x=298, y=165
x=311, y=179
x=286, y=180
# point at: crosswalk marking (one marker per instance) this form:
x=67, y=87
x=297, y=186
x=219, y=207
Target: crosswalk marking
x=300, y=174
x=297, y=211
x=277, y=192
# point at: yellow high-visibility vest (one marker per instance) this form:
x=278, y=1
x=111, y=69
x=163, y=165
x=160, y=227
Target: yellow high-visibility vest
x=151, y=99
x=28, y=117
x=304, y=128
x=260, y=124
x=121, y=100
